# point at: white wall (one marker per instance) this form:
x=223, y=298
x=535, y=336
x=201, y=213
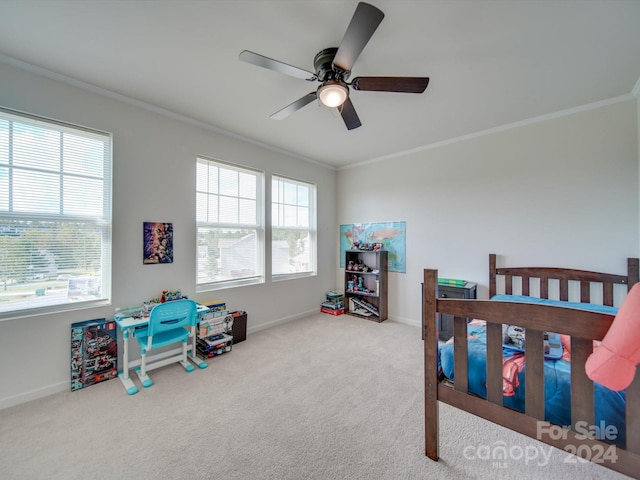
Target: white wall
x=560, y=192
x=153, y=180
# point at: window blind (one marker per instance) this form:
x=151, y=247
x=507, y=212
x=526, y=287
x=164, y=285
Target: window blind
x=55, y=215
x=293, y=232
x=230, y=238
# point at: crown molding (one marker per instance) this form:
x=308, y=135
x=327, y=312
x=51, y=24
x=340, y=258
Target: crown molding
x=502, y=128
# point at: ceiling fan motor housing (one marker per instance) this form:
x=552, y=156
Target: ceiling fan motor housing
x=323, y=65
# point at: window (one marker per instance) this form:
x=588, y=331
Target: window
x=293, y=233
x=55, y=215
x=230, y=232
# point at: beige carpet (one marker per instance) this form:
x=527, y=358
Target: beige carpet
x=319, y=398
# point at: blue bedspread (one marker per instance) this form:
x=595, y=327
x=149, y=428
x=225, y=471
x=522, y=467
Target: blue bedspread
x=609, y=405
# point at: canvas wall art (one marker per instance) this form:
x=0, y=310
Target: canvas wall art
x=392, y=235
x=158, y=242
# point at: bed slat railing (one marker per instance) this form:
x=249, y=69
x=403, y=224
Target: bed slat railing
x=585, y=292
x=544, y=287
x=582, y=400
x=607, y=294
x=534, y=374
x=633, y=391
x=564, y=276
x=494, y=363
x=559, y=274
x=583, y=329
x=564, y=289
x=492, y=275
x=431, y=415
x=460, y=356
x=633, y=269
x=548, y=318
x=508, y=284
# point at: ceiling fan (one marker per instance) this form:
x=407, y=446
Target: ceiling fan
x=333, y=67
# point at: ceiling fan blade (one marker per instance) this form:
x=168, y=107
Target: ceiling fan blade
x=349, y=115
x=391, y=84
x=295, y=106
x=363, y=24
x=271, y=64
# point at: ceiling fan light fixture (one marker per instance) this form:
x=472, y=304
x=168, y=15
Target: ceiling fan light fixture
x=333, y=93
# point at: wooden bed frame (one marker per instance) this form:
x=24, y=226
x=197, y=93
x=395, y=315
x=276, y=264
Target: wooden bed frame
x=582, y=326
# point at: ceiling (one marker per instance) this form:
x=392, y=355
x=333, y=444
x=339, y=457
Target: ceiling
x=490, y=63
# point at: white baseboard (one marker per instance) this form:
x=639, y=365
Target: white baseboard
x=408, y=321
x=280, y=321
x=35, y=394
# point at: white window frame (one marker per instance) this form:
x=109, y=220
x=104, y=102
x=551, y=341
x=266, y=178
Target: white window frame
x=278, y=222
x=77, y=196
x=208, y=197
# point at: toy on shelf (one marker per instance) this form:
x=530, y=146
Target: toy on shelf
x=356, y=284
x=358, y=267
x=165, y=296
x=369, y=247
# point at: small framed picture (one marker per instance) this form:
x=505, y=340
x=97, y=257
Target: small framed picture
x=157, y=242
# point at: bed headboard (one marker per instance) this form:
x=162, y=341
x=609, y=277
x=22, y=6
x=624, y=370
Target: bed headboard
x=563, y=276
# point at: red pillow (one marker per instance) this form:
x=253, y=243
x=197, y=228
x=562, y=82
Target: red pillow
x=613, y=363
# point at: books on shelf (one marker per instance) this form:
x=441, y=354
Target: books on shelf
x=452, y=281
x=215, y=320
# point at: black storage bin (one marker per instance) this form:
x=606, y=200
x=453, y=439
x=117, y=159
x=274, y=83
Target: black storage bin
x=239, y=327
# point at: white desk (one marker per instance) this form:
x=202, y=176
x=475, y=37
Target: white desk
x=127, y=326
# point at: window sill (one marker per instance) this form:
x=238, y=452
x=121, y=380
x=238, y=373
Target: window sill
x=292, y=276
x=208, y=287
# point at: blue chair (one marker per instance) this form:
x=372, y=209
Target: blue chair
x=169, y=323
